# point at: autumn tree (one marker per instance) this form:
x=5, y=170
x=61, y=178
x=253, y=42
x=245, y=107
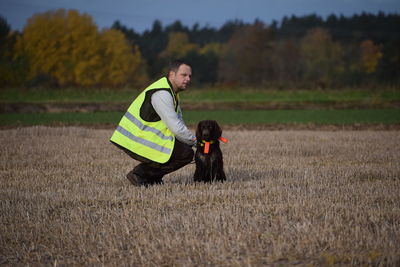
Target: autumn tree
x=178, y=46
x=123, y=61
x=287, y=62
x=322, y=58
x=67, y=47
x=370, y=56
x=248, y=56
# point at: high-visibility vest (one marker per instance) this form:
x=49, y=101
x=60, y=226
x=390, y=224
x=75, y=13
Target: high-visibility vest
x=149, y=139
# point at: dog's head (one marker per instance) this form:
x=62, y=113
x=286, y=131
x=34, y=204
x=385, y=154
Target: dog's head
x=208, y=130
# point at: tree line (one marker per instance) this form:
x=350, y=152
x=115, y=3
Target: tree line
x=63, y=48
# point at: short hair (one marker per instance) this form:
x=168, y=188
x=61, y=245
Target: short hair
x=175, y=64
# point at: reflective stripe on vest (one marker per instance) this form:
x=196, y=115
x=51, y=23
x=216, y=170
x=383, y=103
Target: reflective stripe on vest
x=143, y=127
x=151, y=140
x=143, y=141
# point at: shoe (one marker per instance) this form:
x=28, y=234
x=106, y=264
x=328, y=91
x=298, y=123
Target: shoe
x=135, y=179
x=157, y=181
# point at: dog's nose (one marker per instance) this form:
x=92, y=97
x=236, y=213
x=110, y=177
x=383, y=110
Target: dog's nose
x=206, y=134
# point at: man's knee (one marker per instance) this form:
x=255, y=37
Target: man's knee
x=186, y=155
x=189, y=155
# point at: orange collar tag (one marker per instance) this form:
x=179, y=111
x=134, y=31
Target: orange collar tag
x=206, y=147
x=223, y=139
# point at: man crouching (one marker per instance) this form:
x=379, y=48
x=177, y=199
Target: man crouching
x=153, y=132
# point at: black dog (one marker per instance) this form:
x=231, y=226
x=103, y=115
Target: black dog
x=208, y=157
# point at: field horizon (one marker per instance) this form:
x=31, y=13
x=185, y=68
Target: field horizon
x=295, y=197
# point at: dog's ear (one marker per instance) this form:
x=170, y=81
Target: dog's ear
x=198, y=130
x=218, y=130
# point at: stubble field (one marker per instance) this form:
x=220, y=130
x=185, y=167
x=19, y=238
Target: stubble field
x=295, y=197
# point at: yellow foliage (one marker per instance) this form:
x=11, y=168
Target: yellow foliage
x=370, y=56
x=122, y=63
x=67, y=46
x=216, y=48
x=178, y=46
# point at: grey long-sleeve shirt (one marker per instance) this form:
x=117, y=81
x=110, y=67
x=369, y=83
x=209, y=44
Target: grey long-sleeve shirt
x=163, y=104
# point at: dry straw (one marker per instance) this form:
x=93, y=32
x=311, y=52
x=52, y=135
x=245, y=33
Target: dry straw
x=292, y=197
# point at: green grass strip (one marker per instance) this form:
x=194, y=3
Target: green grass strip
x=378, y=116
x=66, y=96
x=291, y=96
x=195, y=95
x=385, y=116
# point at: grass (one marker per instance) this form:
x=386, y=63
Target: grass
x=66, y=96
x=292, y=96
x=203, y=95
x=10, y=119
x=298, y=116
x=338, y=117
x=304, y=198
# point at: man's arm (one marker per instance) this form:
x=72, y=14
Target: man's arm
x=163, y=104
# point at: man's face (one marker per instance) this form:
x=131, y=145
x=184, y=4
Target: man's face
x=180, y=80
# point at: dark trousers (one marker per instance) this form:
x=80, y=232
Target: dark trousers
x=151, y=171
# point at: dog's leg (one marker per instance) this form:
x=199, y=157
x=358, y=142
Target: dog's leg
x=200, y=174
x=220, y=175
x=210, y=172
x=197, y=174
